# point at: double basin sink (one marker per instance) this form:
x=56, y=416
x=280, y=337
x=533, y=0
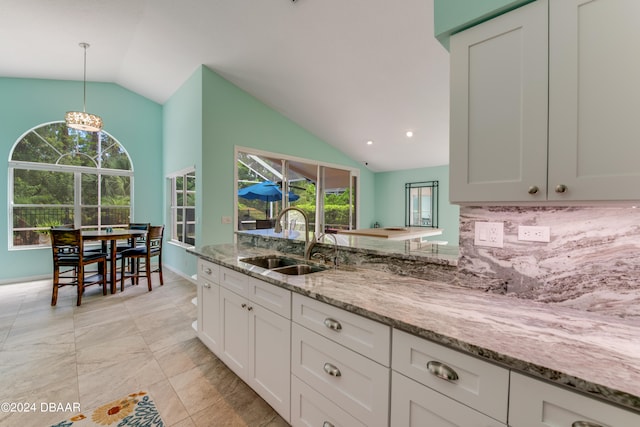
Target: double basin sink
x=284, y=265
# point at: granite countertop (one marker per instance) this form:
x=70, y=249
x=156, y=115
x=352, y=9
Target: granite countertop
x=588, y=352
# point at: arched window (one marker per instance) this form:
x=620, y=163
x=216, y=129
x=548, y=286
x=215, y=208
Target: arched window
x=59, y=175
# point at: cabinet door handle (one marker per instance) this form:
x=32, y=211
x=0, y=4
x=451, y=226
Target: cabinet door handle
x=206, y=284
x=441, y=370
x=533, y=189
x=327, y=424
x=207, y=270
x=332, y=324
x=250, y=308
x=243, y=305
x=561, y=188
x=585, y=424
x=332, y=370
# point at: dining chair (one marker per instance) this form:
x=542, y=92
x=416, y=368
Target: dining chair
x=67, y=247
x=139, y=241
x=152, y=248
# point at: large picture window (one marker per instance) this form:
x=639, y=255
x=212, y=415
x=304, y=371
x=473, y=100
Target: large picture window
x=63, y=176
x=183, y=207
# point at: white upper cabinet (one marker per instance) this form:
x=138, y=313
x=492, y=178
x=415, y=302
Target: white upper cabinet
x=542, y=104
x=498, y=146
x=594, y=99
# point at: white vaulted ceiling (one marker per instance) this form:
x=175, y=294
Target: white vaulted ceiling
x=348, y=71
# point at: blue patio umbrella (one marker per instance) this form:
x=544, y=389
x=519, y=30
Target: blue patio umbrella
x=267, y=191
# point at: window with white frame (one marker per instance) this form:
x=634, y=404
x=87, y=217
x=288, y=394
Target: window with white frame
x=183, y=207
x=63, y=176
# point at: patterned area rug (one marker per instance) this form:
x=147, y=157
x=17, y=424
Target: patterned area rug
x=137, y=409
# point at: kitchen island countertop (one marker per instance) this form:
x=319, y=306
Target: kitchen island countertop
x=591, y=353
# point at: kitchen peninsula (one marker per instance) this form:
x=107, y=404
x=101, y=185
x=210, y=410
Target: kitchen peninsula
x=589, y=353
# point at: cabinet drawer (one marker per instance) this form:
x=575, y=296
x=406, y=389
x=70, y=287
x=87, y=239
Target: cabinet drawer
x=208, y=271
x=366, y=336
x=358, y=385
x=310, y=408
x=270, y=297
x=234, y=281
x=535, y=403
x=413, y=404
x=480, y=385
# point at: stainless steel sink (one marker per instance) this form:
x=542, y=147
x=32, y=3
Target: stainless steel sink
x=270, y=261
x=283, y=265
x=299, y=269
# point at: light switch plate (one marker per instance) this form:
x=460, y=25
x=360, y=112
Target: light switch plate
x=489, y=234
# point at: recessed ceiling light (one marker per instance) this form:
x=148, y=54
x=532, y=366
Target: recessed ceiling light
x=409, y=134
x=369, y=142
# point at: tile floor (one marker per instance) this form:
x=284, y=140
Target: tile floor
x=114, y=345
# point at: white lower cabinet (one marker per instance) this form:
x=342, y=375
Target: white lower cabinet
x=234, y=340
x=535, y=403
x=270, y=358
x=413, y=404
x=330, y=367
x=208, y=305
x=254, y=341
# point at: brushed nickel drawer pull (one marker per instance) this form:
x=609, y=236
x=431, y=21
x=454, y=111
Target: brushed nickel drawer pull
x=206, y=285
x=585, y=424
x=250, y=308
x=327, y=424
x=243, y=305
x=533, y=189
x=207, y=270
x=561, y=188
x=332, y=324
x=332, y=370
x=441, y=370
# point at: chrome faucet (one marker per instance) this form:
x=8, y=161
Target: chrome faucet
x=335, y=246
x=307, y=245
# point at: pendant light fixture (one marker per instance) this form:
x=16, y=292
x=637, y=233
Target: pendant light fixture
x=83, y=120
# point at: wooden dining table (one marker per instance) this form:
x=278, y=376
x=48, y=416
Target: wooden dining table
x=113, y=236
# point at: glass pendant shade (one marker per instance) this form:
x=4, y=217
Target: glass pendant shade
x=82, y=120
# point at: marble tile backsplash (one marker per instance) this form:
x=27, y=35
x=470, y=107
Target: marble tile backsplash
x=591, y=263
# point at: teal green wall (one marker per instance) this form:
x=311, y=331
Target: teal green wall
x=451, y=16
x=390, y=201
x=232, y=117
x=133, y=120
x=182, y=130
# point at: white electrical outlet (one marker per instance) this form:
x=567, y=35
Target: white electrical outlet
x=489, y=234
x=531, y=233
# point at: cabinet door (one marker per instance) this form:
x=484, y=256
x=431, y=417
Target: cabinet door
x=499, y=104
x=413, y=404
x=594, y=99
x=535, y=403
x=209, y=318
x=270, y=358
x=234, y=339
